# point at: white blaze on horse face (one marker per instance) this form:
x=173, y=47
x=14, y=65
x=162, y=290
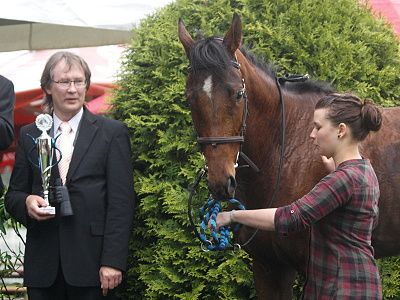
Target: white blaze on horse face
x=207, y=87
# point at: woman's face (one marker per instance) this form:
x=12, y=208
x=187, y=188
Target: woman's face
x=324, y=133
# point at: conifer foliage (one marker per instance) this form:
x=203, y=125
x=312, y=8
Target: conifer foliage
x=336, y=41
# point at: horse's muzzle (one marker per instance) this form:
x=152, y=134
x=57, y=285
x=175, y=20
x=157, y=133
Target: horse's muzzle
x=223, y=191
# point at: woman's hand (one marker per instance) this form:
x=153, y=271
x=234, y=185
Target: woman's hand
x=329, y=163
x=256, y=218
x=223, y=219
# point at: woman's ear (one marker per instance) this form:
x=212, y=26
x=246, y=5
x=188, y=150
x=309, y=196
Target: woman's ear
x=342, y=130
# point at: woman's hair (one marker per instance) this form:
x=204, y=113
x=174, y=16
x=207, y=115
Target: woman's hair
x=361, y=116
x=70, y=59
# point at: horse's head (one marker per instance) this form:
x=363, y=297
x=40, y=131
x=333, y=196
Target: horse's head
x=216, y=93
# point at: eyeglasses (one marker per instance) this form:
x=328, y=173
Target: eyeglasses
x=65, y=84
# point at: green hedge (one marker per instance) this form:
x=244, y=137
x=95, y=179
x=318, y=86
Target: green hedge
x=337, y=41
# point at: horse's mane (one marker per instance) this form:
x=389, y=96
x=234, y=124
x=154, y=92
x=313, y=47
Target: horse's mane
x=268, y=68
x=299, y=87
x=209, y=54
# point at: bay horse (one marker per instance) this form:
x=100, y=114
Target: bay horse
x=236, y=103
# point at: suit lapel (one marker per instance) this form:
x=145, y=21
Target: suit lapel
x=54, y=172
x=87, y=131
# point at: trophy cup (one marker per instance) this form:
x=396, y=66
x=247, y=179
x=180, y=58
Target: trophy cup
x=45, y=146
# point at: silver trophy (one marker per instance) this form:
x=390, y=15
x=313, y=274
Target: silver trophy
x=45, y=147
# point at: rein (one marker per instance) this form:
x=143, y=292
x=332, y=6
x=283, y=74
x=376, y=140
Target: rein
x=279, y=82
x=214, y=141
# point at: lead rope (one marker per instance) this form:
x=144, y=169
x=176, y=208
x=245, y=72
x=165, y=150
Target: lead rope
x=221, y=239
x=209, y=212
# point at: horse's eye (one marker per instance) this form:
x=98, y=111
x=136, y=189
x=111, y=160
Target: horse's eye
x=240, y=95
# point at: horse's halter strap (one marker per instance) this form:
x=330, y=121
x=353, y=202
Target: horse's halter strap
x=216, y=140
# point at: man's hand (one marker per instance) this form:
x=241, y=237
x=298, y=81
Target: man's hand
x=33, y=204
x=110, y=278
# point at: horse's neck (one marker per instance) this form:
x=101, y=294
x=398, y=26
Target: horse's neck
x=264, y=104
x=264, y=132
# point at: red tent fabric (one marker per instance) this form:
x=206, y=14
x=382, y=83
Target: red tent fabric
x=389, y=10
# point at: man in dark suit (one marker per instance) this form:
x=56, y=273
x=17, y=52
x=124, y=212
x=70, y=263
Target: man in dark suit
x=7, y=101
x=80, y=256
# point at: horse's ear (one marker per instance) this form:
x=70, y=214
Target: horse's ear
x=185, y=37
x=233, y=37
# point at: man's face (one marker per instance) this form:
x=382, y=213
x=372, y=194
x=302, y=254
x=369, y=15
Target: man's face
x=67, y=98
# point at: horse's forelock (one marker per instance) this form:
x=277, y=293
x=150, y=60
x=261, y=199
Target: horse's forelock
x=209, y=54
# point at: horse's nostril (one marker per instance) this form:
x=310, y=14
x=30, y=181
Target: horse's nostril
x=231, y=187
x=221, y=191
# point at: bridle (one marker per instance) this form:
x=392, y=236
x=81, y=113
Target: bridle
x=216, y=140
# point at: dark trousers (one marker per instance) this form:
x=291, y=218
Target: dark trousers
x=61, y=290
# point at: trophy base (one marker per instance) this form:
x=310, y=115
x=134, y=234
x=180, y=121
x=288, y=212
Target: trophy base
x=49, y=210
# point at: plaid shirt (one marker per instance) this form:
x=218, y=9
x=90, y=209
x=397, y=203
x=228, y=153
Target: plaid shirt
x=341, y=211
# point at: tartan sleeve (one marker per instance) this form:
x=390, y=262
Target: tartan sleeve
x=333, y=191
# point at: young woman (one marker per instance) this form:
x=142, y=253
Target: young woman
x=341, y=209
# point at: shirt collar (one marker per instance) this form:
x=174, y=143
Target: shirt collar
x=73, y=122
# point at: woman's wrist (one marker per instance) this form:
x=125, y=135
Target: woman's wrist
x=231, y=216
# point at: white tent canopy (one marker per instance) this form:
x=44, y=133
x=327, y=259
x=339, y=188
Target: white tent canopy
x=49, y=24
x=35, y=36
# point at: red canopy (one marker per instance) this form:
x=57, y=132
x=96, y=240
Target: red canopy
x=389, y=10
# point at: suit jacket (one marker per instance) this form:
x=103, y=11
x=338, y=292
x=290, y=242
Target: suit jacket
x=100, y=185
x=7, y=100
